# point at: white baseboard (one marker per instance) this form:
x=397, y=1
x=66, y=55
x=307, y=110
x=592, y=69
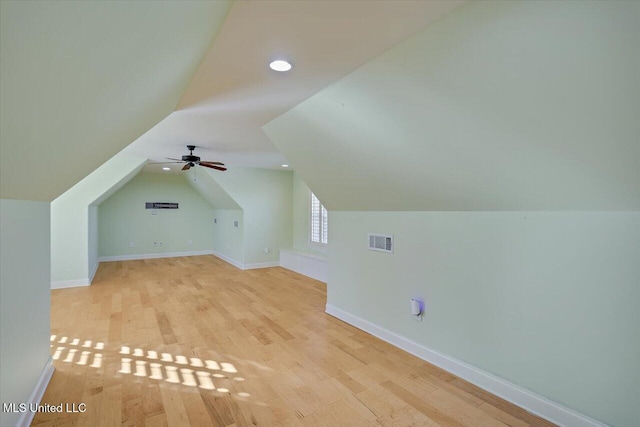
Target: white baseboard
x=267, y=264
x=86, y=282
x=36, y=395
x=243, y=266
x=523, y=398
x=154, y=255
x=62, y=284
x=229, y=260
x=70, y=283
x=309, y=265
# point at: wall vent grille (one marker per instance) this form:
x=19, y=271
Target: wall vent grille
x=160, y=205
x=381, y=243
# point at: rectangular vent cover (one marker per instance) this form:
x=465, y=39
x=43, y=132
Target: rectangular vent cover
x=160, y=205
x=381, y=243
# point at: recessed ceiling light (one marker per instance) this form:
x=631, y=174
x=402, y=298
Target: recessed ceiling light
x=280, y=65
x=166, y=169
x=285, y=166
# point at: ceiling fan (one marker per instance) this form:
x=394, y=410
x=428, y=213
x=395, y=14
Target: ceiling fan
x=190, y=161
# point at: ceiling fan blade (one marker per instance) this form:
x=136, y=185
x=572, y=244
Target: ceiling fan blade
x=161, y=163
x=206, y=165
x=211, y=163
x=178, y=160
x=186, y=167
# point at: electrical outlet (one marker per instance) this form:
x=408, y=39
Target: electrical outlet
x=190, y=242
x=132, y=244
x=267, y=250
x=235, y=224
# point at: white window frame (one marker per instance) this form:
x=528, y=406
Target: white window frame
x=323, y=223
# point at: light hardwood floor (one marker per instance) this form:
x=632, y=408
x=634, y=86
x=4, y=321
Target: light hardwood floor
x=195, y=341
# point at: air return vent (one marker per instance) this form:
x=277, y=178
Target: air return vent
x=160, y=205
x=381, y=243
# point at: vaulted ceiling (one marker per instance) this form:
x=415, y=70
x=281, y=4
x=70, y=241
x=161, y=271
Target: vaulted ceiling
x=79, y=81
x=234, y=92
x=82, y=80
x=497, y=106
x=390, y=105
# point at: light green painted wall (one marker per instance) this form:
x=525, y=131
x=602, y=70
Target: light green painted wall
x=74, y=222
x=499, y=106
x=530, y=105
x=210, y=190
x=124, y=219
x=548, y=301
x=302, y=217
x=228, y=240
x=92, y=255
x=265, y=197
x=24, y=299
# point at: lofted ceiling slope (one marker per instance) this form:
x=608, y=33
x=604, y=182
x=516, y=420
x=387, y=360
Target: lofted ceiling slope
x=497, y=106
x=233, y=92
x=81, y=80
x=207, y=187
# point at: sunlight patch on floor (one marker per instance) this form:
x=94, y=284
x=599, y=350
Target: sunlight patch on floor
x=154, y=367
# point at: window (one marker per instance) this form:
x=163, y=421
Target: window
x=319, y=222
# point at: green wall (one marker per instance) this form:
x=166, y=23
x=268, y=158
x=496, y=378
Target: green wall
x=25, y=279
x=78, y=81
x=265, y=197
x=92, y=254
x=546, y=300
x=209, y=189
x=229, y=240
x=124, y=219
x=500, y=147
x=74, y=220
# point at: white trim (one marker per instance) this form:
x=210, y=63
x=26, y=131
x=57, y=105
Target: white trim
x=519, y=396
x=62, y=284
x=93, y=271
x=319, y=245
x=25, y=418
x=154, y=255
x=310, y=265
x=70, y=283
x=242, y=266
x=231, y=261
x=266, y=264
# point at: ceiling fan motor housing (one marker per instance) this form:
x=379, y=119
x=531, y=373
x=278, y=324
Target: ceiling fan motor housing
x=190, y=158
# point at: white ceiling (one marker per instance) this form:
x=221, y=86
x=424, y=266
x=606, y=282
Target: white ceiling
x=234, y=93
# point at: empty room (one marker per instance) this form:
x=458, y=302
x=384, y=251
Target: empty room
x=320, y=213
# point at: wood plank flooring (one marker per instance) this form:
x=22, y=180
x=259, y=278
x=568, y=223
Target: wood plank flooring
x=195, y=341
